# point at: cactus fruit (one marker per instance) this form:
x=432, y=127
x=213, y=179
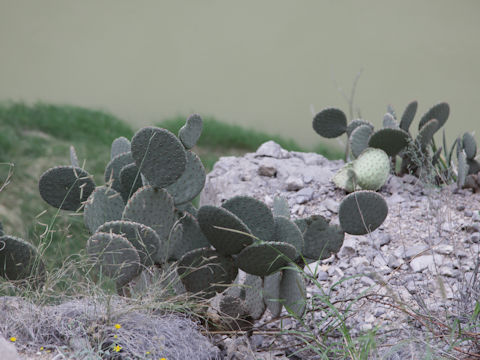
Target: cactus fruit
x=104, y=204
x=330, y=123
x=65, y=187
x=159, y=155
x=191, y=131
x=362, y=212
x=273, y=255
x=359, y=139
x=371, y=169
x=119, y=146
x=19, y=260
x=205, y=270
x=114, y=256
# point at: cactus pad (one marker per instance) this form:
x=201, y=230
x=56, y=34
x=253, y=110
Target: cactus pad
x=254, y=296
x=19, y=259
x=322, y=241
x=152, y=207
x=74, y=158
x=304, y=223
x=362, y=212
x=372, y=168
x=192, y=238
x=142, y=237
x=188, y=207
x=130, y=181
x=330, y=123
x=159, y=155
x=114, y=256
x=226, y=242
x=254, y=213
x=205, y=270
x=190, y=183
x=293, y=292
x=104, y=204
x=191, y=131
x=264, y=259
x=286, y=231
x=425, y=135
x=440, y=112
x=65, y=187
x=345, y=178
x=408, y=116
x=119, y=146
x=473, y=166
x=114, y=167
x=462, y=169
x=389, y=121
x=356, y=123
x=271, y=293
x=469, y=145
x=359, y=139
x=390, y=140
x=280, y=207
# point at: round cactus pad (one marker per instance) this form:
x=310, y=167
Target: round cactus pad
x=425, y=135
x=280, y=207
x=372, y=168
x=330, y=123
x=119, y=146
x=254, y=296
x=190, y=183
x=205, y=270
x=153, y=207
x=142, y=237
x=293, y=292
x=389, y=121
x=114, y=167
x=271, y=293
x=114, y=256
x=130, y=181
x=225, y=241
x=192, y=238
x=473, y=166
x=469, y=145
x=19, y=259
x=408, y=116
x=65, y=187
x=254, y=213
x=159, y=155
x=104, y=204
x=345, y=178
x=191, y=131
x=440, y=112
x=188, y=207
x=264, y=259
x=362, y=212
x=321, y=242
x=359, y=139
x=390, y=140
x=356, y=123
x=304, y=223
x=287, y=231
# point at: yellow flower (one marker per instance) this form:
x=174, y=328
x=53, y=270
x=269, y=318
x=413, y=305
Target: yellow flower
x=13, y=339
x=117, y=348
x=118, y=326
x=148, y=352
x=41, y=349
x=163, y=359
x=115, y=336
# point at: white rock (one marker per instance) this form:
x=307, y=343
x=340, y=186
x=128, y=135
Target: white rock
x=7, y=350
x=444, y=249
x=272, y=149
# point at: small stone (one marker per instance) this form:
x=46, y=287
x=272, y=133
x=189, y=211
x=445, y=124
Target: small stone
x=367, y=281
x=294, y=184
x=414, y=250
x=266, y=170
x=444, y=249
x=304, y=195
x=468, y=213
x=447, y=270
x=331, y=205
x=348, y=248
x=379, y=261
x=423, y=262
x=476, y=216
x=359, y=261
x=447, y=227
x=460, y=207
x=474, y=238
x=394, y=262
x=384, y=239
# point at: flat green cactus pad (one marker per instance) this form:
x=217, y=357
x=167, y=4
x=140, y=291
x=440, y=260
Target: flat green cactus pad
x=389, y=121
x=264, y=259
x=356, y=123
x=130, y=181
x=287, y=231
x=232, y=307
x=143, y=238
x=205, y=270
x=330, y=123
x=322, y=241
x=469, y=145
x=114, y=256
x=293, y=292
x=462, y=169
x=390, y=140
x=225, y=241
x=372, y=168
x=408, y=116
x=254, y=213
x=440, y=112
x=113, y=169
x=119, y=146
x=74, y=158
x=188, y=207
x=345, y=178
x=359, y=139
x=159, y=155
x=304, y=223
x=254, y=296
x=104, y=204
x=65, y=187
x=19, y=260
x=153, y=207
x=425, y=135
x=280, y=207
x=191, y=131
x=362, y=212
x=473, y=166
x=271, y=293
x=192, y=238
x=190, y=183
